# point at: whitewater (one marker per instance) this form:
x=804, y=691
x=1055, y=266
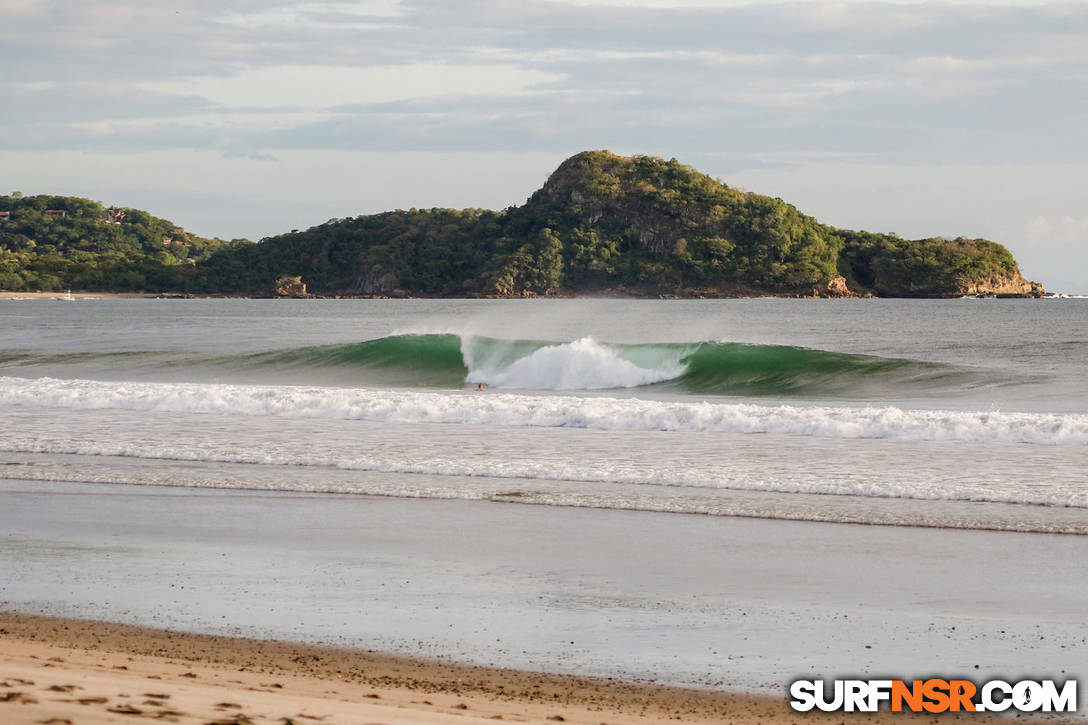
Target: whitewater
x=600, y=413
x=956, y=414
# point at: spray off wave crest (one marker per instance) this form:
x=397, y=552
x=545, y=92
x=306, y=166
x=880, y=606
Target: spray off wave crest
x=600, y=413
x=702, y=368
x=584, y=364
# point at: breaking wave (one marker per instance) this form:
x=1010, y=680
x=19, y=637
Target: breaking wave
x=601, y=413
x=706, y=368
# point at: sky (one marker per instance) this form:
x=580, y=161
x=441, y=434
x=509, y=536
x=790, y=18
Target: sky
x=247, y=118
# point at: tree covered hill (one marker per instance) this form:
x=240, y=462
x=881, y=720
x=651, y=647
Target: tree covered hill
x=637, y=225
x=50, y=243
x=601, y=223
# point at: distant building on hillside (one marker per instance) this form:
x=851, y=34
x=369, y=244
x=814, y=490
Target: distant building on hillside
x=5, y=216
x=115, y=215
x=56, y=213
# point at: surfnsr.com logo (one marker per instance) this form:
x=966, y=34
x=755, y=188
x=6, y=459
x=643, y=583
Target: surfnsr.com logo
x=934, y=695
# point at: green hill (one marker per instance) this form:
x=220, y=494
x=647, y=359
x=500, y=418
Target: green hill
x=601, y=223
x=49, y=243
x=606, y=223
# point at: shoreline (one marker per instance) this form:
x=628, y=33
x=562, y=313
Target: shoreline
x=83, y=295
x=723, y=604
x=55, y=670
x=604, y=294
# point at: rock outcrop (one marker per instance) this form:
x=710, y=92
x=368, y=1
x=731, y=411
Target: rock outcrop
x=1004, y=286
x=833, y=288
x=288, y=286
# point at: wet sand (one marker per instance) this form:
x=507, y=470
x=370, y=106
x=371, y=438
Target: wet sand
x=714, y=603
x=61, y=671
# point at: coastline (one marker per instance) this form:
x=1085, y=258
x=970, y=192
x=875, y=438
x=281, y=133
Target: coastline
x=83, y=295
x=80, y=671
x=601, y=294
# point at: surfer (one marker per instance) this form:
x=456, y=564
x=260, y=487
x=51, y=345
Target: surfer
x=479, y=387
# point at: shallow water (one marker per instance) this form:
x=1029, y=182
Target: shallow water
x=724, y=603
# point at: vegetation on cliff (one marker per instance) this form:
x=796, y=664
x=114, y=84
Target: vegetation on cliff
x=637, y=225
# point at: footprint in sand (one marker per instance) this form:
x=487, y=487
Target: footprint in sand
x=17, y=698
x=63, y=688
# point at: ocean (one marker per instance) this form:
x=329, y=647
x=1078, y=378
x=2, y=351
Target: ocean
x=725, y=494
x=950, y=413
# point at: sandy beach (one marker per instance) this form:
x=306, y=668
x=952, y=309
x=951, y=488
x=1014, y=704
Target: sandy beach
x=72, y=671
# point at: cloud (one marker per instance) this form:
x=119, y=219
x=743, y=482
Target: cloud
x=316, y=15
x=681, y=4
x=1065, y=231
x=255, y=156
x=918, y=83
x=1056, y=246
x=320, y=86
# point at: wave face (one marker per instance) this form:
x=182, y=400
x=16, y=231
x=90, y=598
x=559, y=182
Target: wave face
x=599, y=413
x=415, y=360
x=704, y=368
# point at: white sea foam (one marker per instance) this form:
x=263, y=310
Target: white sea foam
x=1054, y=511
x=583, y=364
x=617, y=484
x=602, y=413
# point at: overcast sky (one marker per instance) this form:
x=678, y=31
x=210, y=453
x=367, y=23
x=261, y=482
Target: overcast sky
x=245, y=118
